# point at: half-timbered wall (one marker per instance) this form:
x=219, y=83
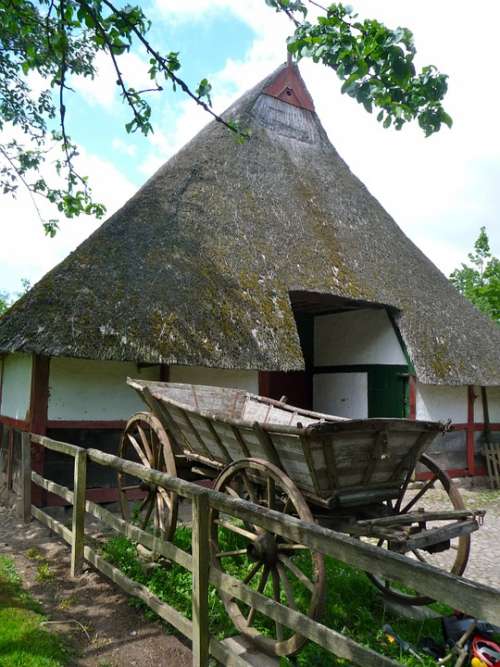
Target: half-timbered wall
x=15, y=370
x=219, y=377
x=86, y=390
x=351, y=349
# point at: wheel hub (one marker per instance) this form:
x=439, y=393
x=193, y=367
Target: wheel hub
x=264, y=549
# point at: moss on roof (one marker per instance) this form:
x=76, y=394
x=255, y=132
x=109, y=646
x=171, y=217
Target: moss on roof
x=196, y=268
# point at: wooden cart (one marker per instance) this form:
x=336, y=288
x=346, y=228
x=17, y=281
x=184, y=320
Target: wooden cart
x=355, y=476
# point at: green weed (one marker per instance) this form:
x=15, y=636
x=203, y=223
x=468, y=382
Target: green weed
x=43, y=573
x=23, y=642
x=353, y=605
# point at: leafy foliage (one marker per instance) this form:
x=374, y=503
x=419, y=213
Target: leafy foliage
x=480, y=281
x=374, y=62
x=4, y=302
x=52, y=41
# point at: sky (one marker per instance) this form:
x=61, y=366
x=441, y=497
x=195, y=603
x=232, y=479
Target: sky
x=440, y=190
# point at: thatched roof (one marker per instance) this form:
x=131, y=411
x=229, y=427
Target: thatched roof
x=197, y=267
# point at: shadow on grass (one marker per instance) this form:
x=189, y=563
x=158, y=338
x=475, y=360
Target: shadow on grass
x=23, y=642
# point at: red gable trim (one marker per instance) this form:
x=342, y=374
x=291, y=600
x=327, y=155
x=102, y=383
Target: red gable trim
x=289, y=87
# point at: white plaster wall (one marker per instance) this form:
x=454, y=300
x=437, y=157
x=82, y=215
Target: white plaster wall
x=357, y=337
x=493, y=394
x=16, y=387
x=437, y=403
x=219, y=377
x=84, y=390
x=341, y=394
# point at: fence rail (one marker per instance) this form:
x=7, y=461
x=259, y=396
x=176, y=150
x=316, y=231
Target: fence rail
x=470, y=597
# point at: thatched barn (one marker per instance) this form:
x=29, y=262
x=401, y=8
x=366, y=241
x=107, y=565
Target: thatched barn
x=265, y=265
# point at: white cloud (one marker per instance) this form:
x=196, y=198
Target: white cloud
x=26, y=252
x=123, y=147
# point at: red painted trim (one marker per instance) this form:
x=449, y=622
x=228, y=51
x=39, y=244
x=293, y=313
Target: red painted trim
x=265, y=383
x=289, y=87
x=19, y=424
x=477, y=426
x=2, y=362
x=412, y=397
x=37, y=418
x=118, y=424
x=471, y=397
x=452, y=472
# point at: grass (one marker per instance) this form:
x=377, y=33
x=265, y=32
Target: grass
x=353, y=605
x=23, y=642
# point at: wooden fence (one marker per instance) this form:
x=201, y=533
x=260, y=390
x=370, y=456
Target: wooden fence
x=475, y=599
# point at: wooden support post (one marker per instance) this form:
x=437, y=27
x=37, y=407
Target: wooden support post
x=412, y=397
x=37, y=417
x=471, y=463
x=78, y=528
x=24, y=506
x=201, y=568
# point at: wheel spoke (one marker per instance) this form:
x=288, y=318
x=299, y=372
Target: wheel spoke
x=419, y=556
x=147, y=448
x=138, y=449
x=276, y=596
x=166, y=497
x=147, y=516
x=260, y=588
x=285, y=582
x=250, y=575
x=292, y=547
x=248, y=487
x=236, y=529
x=418, y=495
x=231, y=554
x=297, y=572
x=288, y=505
x=271, y=493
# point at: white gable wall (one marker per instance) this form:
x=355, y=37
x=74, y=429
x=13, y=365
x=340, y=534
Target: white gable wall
x=16, y=386
x=356, y=337
x=87, y=390
x=440, y=403
x=219, y=377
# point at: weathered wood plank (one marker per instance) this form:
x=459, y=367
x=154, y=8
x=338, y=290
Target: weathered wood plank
x=54, y=525
x=341, y=646
x=201, y=565
x=55, y=445
x=470, y=597
x=53, y=487
x=24, y=503
x=78, y=525
x=134, y=533
x=476, y=599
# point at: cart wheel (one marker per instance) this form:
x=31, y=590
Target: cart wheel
x=438, y=492
x=144, y=441
x=274, y=566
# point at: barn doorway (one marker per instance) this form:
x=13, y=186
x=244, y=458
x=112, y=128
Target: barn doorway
x=356, y=364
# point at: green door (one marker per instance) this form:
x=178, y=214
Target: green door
x=387, y=391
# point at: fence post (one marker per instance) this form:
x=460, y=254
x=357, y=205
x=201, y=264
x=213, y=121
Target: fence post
x=201, y=566
x=24, y=503
x=78, y=527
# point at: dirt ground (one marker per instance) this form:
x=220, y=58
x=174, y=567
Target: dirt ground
x=91, y=612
